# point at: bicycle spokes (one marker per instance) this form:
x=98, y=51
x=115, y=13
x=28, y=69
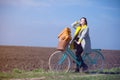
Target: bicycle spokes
x=59, y=61
x=94, y=60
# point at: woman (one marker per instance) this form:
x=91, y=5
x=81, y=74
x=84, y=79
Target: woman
x=81, y=41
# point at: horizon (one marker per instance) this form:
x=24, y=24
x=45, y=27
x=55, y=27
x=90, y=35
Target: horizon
x=46, y=47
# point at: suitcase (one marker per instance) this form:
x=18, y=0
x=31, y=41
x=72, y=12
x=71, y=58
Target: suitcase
x=64, y=38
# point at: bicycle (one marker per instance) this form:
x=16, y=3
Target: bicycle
x=62, y=60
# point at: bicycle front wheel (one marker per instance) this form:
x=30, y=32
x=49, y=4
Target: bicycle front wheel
x=59, y=62
x=94, y=60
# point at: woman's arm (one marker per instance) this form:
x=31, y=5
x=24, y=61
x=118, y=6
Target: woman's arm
x=75, y=24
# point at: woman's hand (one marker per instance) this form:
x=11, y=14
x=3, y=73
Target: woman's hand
x=78, y=42
x=75, y=24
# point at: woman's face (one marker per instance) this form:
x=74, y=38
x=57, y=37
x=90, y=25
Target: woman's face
x=82, y=21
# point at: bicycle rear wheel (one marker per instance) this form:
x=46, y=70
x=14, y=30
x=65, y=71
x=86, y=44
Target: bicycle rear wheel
x=59, y=61
x=94, y=60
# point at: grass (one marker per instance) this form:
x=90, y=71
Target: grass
x=108, y=71
x=48, y=75
x=112, y=70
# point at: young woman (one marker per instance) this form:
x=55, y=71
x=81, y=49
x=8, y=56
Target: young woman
x=81, y=41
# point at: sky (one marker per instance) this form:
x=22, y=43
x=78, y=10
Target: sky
x=38, y=22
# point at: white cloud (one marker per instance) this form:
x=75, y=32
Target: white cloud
x=108, y=8
x=54, y=3
x=71, y=2
x=45, y=3
x=24, y=3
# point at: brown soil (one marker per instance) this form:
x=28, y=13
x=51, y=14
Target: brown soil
x=30, y=58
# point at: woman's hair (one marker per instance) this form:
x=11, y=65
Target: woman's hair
x=85, y=20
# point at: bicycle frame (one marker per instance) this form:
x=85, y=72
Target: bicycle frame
x=71, y=54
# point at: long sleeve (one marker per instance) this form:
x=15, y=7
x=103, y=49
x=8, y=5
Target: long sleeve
x=75, y=24
x=83, y=33
x=84, y=39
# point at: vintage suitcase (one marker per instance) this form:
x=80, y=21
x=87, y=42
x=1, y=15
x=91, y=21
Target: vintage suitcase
x=64, y=38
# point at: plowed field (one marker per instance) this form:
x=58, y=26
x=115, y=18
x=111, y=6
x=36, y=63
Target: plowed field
x=29, y=58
